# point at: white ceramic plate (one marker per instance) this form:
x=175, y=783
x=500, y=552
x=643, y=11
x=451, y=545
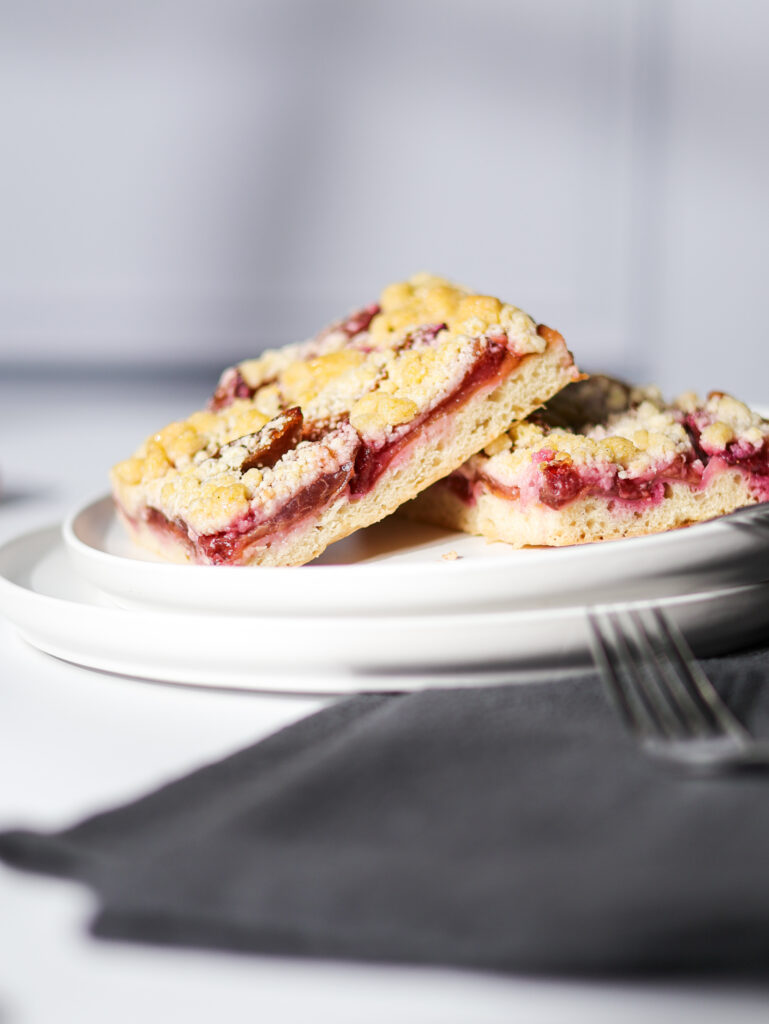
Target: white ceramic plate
x=397, y=568
x=62, y=614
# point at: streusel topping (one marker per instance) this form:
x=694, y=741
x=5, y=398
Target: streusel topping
x=425, y=299
x=638, y=440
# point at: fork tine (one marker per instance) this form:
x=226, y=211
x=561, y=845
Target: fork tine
x=601, y=649
x=670, y=675
x=601, y=644
x=649, y=680
x=697, y=682
x=615, y=665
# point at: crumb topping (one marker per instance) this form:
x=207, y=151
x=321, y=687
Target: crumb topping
x=634, y=443
x=425, y=299
x=424, y=314
x=734, y=418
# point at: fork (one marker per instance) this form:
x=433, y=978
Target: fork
x=663, y=695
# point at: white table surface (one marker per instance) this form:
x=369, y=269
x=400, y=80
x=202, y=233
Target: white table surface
x=74, y=741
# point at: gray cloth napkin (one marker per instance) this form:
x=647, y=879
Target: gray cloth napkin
x=514, y=828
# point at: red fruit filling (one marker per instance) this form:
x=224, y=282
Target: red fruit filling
x=228, y=546
x=162, y=525
x=358, y=321
x=493, y=364
x=424, y=335
x=268, y=445
x=460, y=486
x=560, y=484
x=754, y=459
x=231, y=386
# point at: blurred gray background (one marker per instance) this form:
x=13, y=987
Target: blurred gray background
x=184, y=182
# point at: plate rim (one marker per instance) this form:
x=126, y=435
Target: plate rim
x=502, y=647
x=383, y=567
x=408, y=619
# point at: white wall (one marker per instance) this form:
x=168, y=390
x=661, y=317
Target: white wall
x=192, y=180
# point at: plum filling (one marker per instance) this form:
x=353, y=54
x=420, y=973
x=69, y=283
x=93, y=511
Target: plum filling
x=162, y=525
x=563, y=482
x=231, y=386
x=227, y=547
x=267, y=446
x=358, y=321
x=560, y=484
x=424, y=335
x=466, y=488
x=752, y=458
x=693, y=433
x=460, y=486
x=560, y=481
x=372, y=461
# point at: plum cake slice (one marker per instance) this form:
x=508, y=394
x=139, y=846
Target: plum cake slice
x=602, y=461
x=306, y=444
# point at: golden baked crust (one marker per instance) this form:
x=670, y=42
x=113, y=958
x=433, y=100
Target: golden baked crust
x=431, y=366
x=644, y=468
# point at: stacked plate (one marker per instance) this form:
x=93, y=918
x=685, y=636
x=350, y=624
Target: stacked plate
x=396, y=606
